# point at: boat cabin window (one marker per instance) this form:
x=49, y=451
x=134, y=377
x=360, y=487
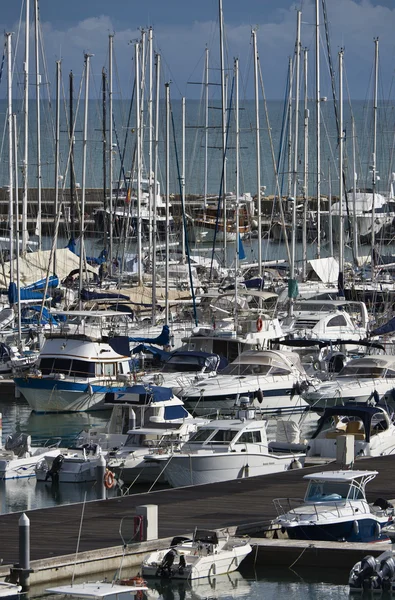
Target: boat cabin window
x=327, y=491
x=201, y=435
x=362, y=371
x=242, y=370
x=55, y=365
x=184, y=363
x=337, y=321
x=108, y=369
x=223, y=436
x=82, y=368
x=250, y=437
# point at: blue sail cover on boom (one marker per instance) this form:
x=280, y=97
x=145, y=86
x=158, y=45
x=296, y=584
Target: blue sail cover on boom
x=163, y=339
x=388, y=327
x=34, y=291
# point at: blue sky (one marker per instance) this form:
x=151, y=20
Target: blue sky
x=182, y=30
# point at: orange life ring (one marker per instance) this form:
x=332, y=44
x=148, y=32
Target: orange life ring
x=259, y=324
x=109, y=479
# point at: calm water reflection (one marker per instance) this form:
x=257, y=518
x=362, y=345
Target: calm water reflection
x=268, y=583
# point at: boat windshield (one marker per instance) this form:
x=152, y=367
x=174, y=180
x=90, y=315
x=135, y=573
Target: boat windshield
x=221, y=436
x=332, y=491
x=253, y=369
x=364, y=372
x=184, y=363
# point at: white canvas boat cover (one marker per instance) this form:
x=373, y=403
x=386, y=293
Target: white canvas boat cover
x=34, y=266
x=326, y=269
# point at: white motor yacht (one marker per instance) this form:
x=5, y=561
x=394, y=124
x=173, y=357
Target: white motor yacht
x=205, y=555
x=156, y=422
x=271, y=379
x=334, y=508
x=76, y=465
x=371, y=428
x=19, y=458
x=78, y=366
x=226, y=449
x=361, y=380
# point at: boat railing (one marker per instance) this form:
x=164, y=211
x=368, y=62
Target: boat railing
x=323, y=509
x=53, y=442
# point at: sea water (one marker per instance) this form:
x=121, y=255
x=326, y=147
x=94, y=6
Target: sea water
x=252, y=583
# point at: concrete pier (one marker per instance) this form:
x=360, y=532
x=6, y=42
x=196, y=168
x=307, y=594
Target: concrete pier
x=242, y=507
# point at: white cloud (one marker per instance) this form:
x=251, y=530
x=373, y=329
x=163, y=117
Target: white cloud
x=352, y=25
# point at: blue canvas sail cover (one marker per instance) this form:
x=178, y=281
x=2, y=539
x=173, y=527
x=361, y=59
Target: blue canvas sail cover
x=141, y=394
x=92, y=295
x=388, y=327
x=92, y=260
x=242, y=253
x=163, y=339
x=32, y=291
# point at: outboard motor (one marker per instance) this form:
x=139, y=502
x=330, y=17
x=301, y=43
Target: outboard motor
x=363, y=574
x=182, y=564
x=386, y=573
x=53, y=472
x=165, y=567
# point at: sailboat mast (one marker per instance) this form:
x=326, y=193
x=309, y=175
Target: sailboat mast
x=72, y=172
x=18, y=286
x=138, y=157
x=26, y=132
x=104, y=134
x=223, y=108
x=318, y=123
x=295, y=152
x=206, y=95
x=151, y=181
x=156, y=149
x=110, y=131
x=183, y=178
x=290, y=78
x=167, y=88
x=341, y=191
x=354, y=192
x=38, y=118
x=84, y=146
x=374, y=172
x=10, y=154
x=306, y=165
x=237, y=257
x=258, y=152
x=57, y=140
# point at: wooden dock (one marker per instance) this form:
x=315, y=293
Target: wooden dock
x=246, y=504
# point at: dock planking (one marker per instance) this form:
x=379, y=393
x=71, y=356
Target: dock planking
x=54, y=531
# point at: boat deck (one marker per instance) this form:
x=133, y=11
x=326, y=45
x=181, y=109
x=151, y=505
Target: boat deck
x=243, y=502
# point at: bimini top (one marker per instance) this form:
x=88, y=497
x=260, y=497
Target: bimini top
x=340, y=475
x=364, y=412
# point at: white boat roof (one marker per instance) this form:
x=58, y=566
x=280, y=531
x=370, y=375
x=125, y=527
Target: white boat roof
x=158, y=431
x=233, y=424
x=378, y=360
x=268, y=357
x=94, y=590
x=340, y=475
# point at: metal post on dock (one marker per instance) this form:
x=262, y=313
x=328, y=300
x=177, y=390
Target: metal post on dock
x=101, y=471
x=24, y=551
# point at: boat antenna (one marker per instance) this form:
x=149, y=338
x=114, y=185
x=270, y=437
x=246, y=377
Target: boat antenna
x=79, y=538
